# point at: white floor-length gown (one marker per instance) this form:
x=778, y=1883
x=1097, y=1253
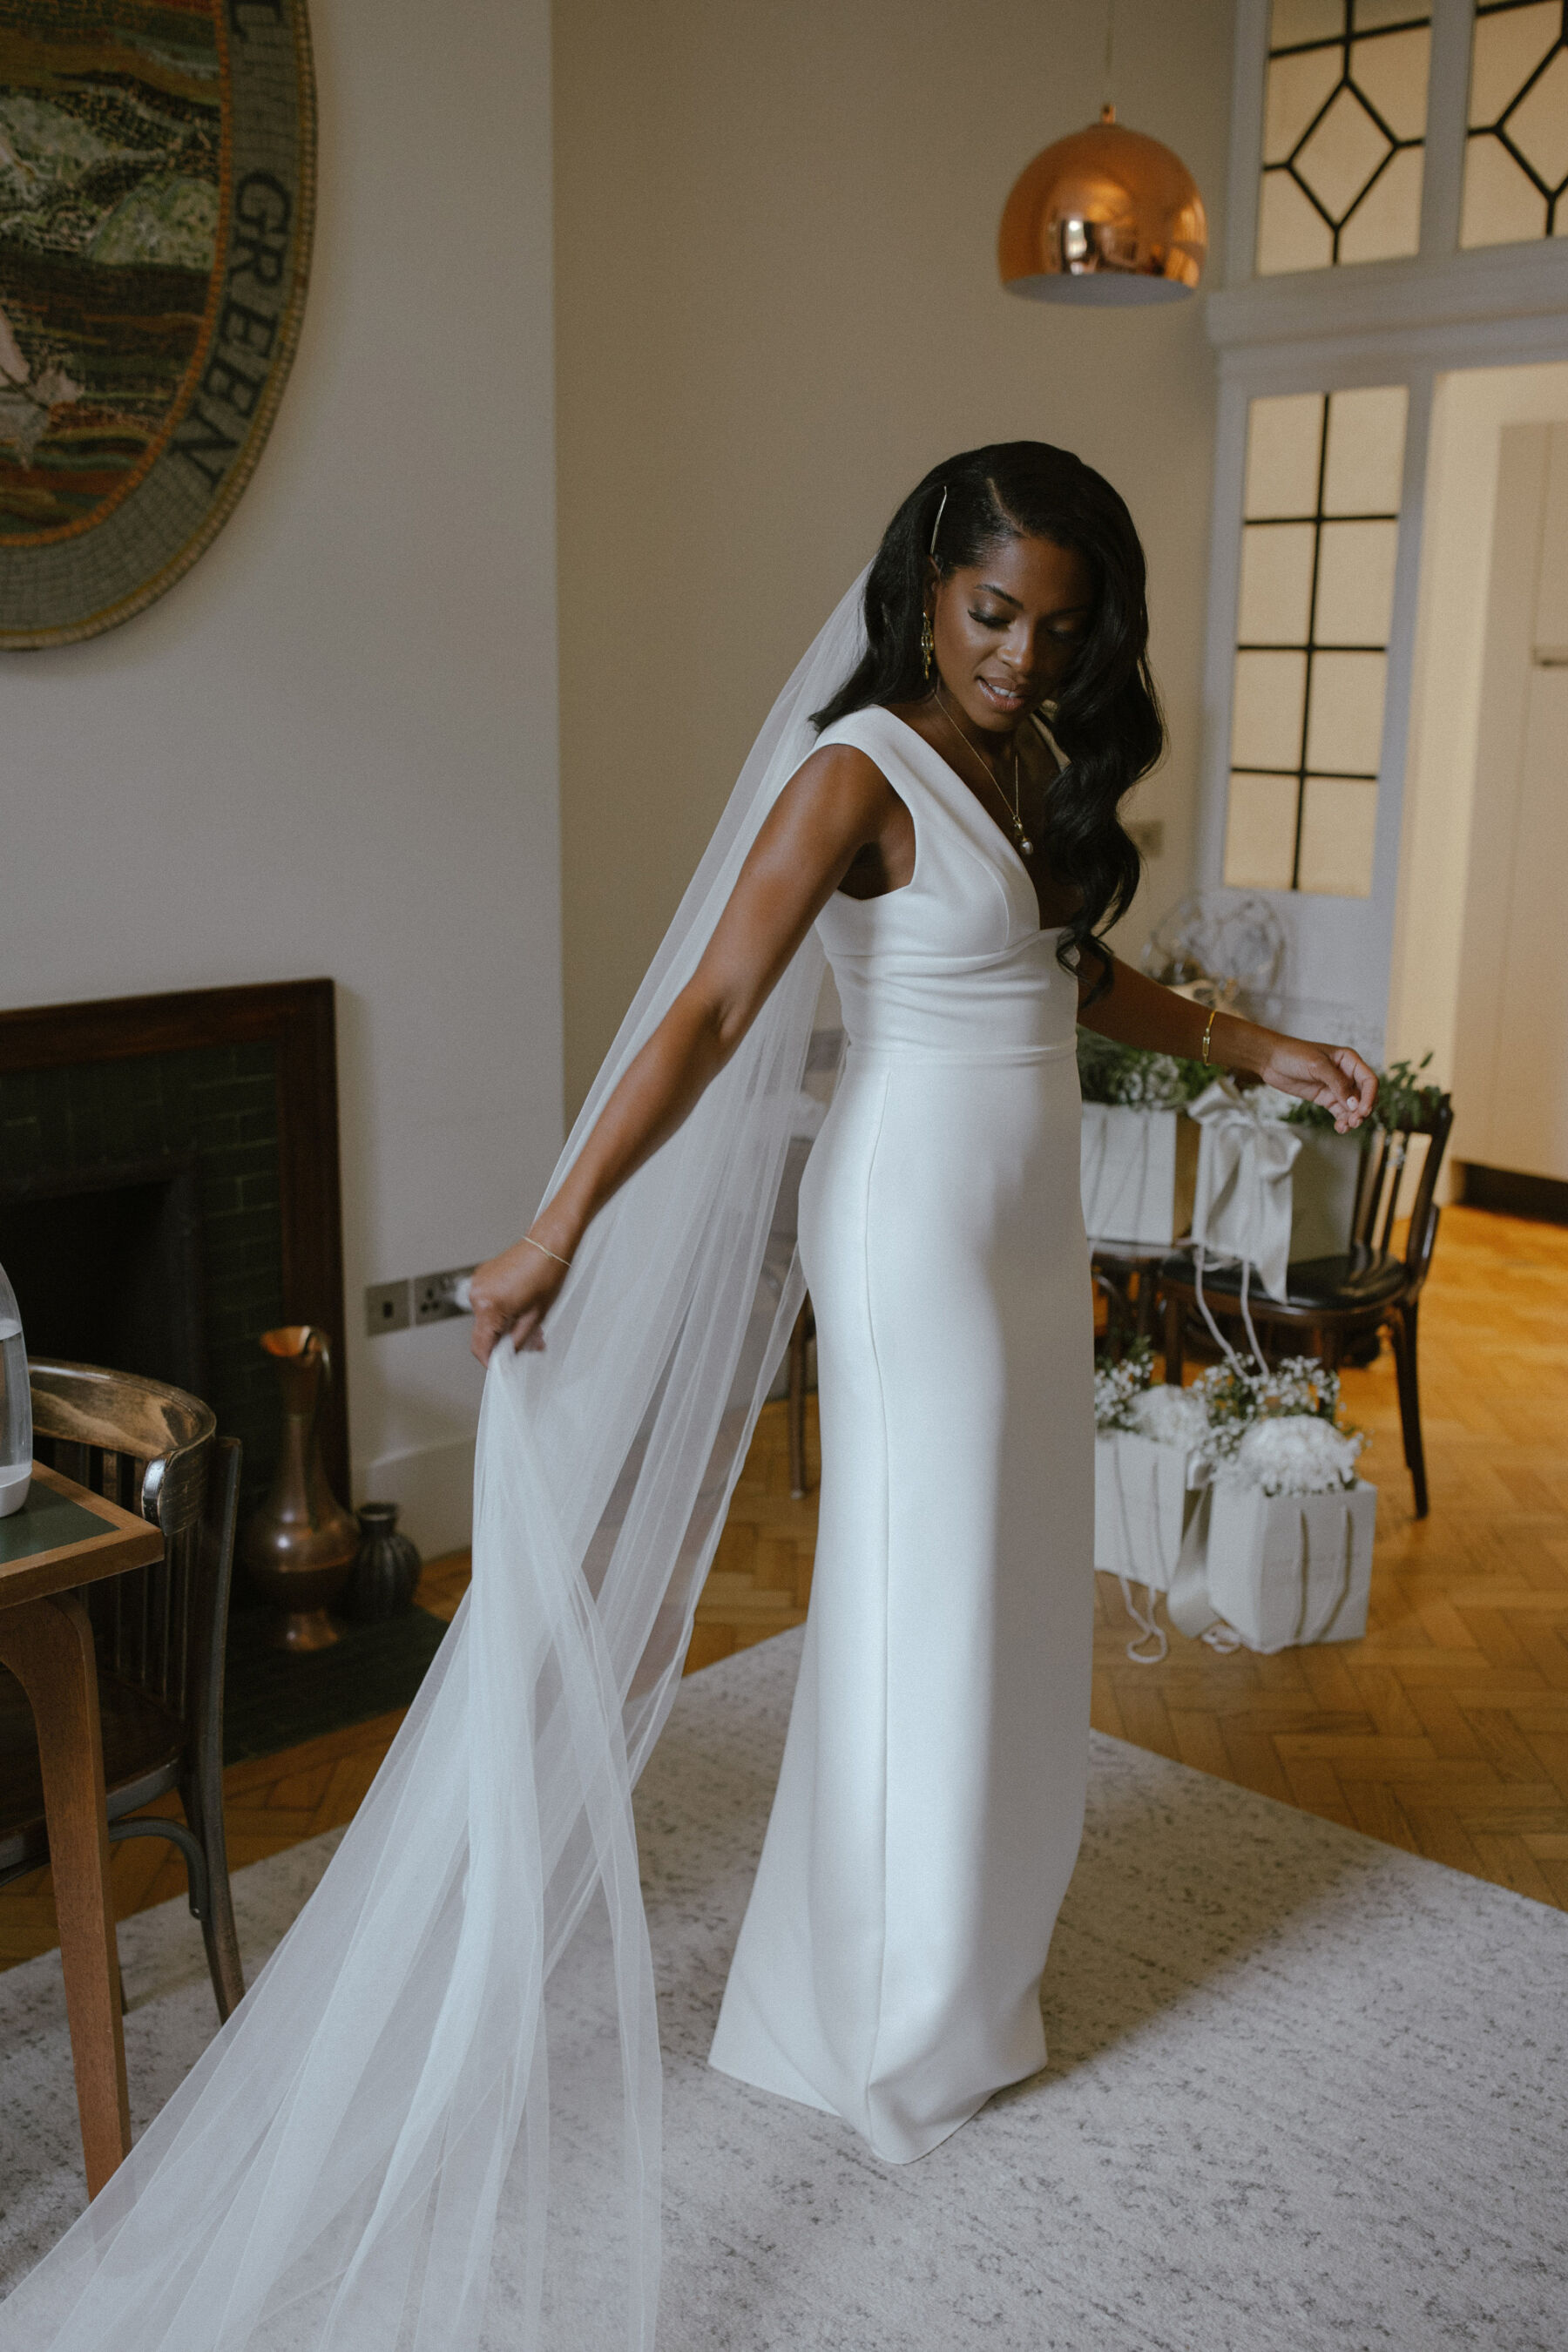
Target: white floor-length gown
x=931, y=1801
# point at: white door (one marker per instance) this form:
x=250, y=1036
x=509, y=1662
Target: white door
x=1510, y=1077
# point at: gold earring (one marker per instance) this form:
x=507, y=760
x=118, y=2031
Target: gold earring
x=928, y=647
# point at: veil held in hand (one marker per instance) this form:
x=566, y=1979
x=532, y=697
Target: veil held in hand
x=329, y=2177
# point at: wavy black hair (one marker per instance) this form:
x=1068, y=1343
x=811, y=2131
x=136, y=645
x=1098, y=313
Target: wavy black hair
x=1107, y=720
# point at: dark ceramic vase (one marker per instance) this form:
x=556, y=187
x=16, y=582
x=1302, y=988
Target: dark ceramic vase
x=386, y=1569
x=300, y=1548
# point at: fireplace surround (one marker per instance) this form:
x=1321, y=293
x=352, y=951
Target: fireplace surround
x=169, y=1190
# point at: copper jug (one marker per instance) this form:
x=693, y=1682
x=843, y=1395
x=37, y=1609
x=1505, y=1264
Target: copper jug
x=300, y=1548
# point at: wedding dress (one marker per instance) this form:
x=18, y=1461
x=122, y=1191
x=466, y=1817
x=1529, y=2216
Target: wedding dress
x=329, y=2176
x=930, y=1801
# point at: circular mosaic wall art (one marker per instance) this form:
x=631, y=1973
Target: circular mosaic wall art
x=157, y=181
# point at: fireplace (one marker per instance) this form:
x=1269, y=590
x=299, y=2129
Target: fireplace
x=169, y=1191
x=107, y=1265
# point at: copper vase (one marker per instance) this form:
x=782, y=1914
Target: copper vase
x=300, y=1548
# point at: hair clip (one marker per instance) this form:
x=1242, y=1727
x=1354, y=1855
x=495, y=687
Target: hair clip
x=937, y=524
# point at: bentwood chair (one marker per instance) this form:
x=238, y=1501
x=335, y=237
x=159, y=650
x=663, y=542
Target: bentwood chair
x=159, y=1633
x=1333, y=1302
x=800, y=1341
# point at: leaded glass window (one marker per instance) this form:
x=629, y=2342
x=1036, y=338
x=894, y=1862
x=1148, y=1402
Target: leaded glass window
x=1516, y=154
x=1343, y=132
x=1317, y=551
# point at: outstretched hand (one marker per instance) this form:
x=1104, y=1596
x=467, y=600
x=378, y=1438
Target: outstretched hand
x=1333, y=1076
x=513, y=1292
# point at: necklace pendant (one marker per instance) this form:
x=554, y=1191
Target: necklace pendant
x=1026, y=845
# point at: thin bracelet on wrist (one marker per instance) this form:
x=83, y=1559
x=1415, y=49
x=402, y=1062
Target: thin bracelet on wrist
x=549, y=1253
x=1208, y=1033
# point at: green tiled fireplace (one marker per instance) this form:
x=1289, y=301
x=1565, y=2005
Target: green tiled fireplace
x=155, y=1145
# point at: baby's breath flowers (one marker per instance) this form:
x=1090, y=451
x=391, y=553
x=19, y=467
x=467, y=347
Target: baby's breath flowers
x=1119, y=1386
x=1281, y=1430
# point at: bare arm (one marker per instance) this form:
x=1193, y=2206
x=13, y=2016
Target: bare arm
x=1138, y=1011
x=833, y=806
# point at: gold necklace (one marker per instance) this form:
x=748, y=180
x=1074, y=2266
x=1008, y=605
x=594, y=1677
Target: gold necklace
x=1015, y=812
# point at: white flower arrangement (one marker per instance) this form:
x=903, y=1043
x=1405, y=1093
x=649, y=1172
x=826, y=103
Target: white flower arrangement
x=1171, y=1417
x=1280, y=1431
x=1294, y=1454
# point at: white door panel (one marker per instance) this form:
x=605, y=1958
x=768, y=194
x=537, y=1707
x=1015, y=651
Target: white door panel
x=1530, y=1103
x=1510, y=1078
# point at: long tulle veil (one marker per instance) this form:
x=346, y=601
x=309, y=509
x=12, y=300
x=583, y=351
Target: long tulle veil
x=328, y=2175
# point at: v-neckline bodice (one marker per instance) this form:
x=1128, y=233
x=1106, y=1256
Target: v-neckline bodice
x=1009, y=849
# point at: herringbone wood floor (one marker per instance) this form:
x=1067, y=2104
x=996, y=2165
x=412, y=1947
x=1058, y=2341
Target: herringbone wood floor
x=1445, y=1730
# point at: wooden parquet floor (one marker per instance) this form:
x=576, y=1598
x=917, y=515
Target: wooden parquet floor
x=270, y=1804
x=1445, y=1731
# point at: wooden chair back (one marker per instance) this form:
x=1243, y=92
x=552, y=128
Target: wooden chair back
x=148, y=1447
x=1381, y=1181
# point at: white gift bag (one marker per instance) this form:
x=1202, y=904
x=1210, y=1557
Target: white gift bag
x=1141, y=1507
x=1322, y=1194
x=1267, y=1191
x=1137, y=1170
x=1285, y=1569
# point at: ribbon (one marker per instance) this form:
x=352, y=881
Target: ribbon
x=1140, y=1546
x=1318, y=1570
x=1242, y=1207
x=1187, y=1602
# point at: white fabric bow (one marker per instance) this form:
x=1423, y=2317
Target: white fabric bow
x=1242, y=1206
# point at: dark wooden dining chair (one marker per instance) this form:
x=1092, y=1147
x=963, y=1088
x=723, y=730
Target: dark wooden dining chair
x=1126, y=1277
x=800, y=1339
x=1333, y=1302
x=159, y=1633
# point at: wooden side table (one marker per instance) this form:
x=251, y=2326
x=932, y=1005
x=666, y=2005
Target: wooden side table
x=64, y=1537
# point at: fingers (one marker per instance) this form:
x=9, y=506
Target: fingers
x=1352, y=1087
x=526, y=1330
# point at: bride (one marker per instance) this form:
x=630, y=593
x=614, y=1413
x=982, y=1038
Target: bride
x=933, y=805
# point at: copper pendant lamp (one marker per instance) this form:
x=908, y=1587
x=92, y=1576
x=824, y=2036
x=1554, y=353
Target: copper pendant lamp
x=1107, y=216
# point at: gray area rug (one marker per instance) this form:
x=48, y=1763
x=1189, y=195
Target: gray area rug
x=1305, y=2091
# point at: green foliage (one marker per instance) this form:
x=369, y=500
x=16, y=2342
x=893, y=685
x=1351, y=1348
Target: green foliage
x=1402, y=1097
x=1138, y=1080
x=1135, y=1080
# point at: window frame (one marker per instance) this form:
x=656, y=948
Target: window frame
x=1342, y=328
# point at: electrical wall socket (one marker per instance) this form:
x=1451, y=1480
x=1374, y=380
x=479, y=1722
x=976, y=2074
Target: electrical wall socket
x=388, y=1307
x=437, y=1295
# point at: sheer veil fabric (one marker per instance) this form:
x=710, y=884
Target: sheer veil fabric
x=328, y=2176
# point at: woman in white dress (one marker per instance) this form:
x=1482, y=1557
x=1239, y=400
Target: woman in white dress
x=333, y=2174
x=957, y=864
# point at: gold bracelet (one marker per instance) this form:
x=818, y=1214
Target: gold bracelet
x=549, y=1253
x=1208, y=1033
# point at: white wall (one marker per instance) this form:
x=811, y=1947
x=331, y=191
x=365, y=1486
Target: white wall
x=331, y=748
x=777, y=305
x=1469, y=411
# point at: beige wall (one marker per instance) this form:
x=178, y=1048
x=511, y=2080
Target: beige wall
x=332, y=747
x=777, y=306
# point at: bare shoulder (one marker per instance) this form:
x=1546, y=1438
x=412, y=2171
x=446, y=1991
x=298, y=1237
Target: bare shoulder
x=841, y=784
